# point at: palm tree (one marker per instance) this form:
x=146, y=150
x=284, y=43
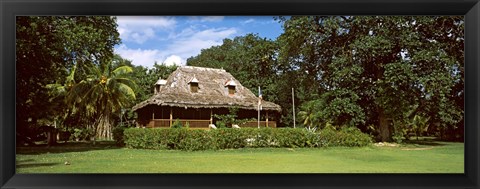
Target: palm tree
x=104, y=91
x=308, y=115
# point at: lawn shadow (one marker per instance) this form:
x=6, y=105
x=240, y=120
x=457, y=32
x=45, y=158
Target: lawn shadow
x=66, y=147
x=425, y=142
x=31, y=165
x=25, y=160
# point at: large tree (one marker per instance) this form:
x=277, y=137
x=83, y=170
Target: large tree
x=250, y=59
x=386, y=65
x=104, y=92
x=47, y=48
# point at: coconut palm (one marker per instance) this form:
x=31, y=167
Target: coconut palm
x=308, y=115
x=104, y=91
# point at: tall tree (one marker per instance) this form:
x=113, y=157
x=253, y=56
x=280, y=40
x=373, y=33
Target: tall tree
x=385, y=65
x=103, y=93
x=250, y=59
x=47, y=47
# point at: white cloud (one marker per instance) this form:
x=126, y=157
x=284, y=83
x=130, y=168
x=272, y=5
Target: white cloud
x=259, y=21
x=143, y=57
x=214, y=34
x=248, y=21
x=173, y=60
x=189, y=45
x=177, y=45
x=141, y=29
x=212, y=18
x=206, y=18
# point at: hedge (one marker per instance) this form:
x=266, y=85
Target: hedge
x=228, y=138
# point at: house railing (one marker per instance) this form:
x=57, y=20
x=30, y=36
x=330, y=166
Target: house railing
x=262, y=124
x=154, y=123
x=165, y=123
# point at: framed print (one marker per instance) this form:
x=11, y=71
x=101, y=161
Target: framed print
x=53, y=56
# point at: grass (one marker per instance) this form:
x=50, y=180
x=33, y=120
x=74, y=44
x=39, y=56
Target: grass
x=421, y=157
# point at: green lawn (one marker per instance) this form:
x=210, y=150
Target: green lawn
x=426, y=157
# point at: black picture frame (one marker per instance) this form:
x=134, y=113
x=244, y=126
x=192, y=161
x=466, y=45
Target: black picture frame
x=10, y=8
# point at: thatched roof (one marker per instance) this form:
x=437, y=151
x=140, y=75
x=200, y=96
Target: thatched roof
x=212, y=91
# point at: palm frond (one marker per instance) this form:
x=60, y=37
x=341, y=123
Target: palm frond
x=56, y=89
x=71, y=77
x=127, y=90
x=132, y=84
x=122, y=70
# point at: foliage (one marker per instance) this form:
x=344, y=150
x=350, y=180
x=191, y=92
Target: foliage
x=47, y=47
x=227, y=120
x=361, y=70
x=147, y=77
x=309, y=115
x=385, y=64
x=416, y=125
x=81, y=134
x=105, y=91
x=177, y=124
x=197, y=139
x=335, y=107
x=249, y=58
x=118, y=135
x=420, y=124
x=401, y=131
x=346, y=136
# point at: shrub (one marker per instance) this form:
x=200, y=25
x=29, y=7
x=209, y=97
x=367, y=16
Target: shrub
x=220, y=124
x=118, y=135
x=177, y=124
x=346, y=136
x=79, y=134
x=226, y=138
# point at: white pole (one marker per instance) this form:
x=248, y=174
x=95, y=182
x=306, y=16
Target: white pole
x=258, y=108
x=258, y=120
x=293, y=102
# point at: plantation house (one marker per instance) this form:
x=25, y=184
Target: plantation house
x=195, y=94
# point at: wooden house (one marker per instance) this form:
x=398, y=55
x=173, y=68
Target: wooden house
x=194, y=94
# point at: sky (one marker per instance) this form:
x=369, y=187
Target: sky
x=172, y=40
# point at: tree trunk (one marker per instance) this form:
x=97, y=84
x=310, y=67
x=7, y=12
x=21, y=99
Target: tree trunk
x=385, y=134
x=51, y=137
x=104, y=128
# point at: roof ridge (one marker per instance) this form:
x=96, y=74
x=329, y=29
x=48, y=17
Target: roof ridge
x=202, y=68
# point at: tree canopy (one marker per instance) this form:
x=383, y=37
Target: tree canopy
x=357, y=71
x=47, y=48
x=378, y=68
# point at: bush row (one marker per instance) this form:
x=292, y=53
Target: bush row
x=197, y=139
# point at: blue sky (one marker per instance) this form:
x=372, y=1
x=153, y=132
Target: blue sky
x=172, y=40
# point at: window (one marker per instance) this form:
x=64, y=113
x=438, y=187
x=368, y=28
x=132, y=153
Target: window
x=194, y=87
x=159, y=84
x=231, y=87
x=193, y=84
x=231, y=90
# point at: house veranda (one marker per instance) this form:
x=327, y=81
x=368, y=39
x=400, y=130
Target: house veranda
x=194, y=95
